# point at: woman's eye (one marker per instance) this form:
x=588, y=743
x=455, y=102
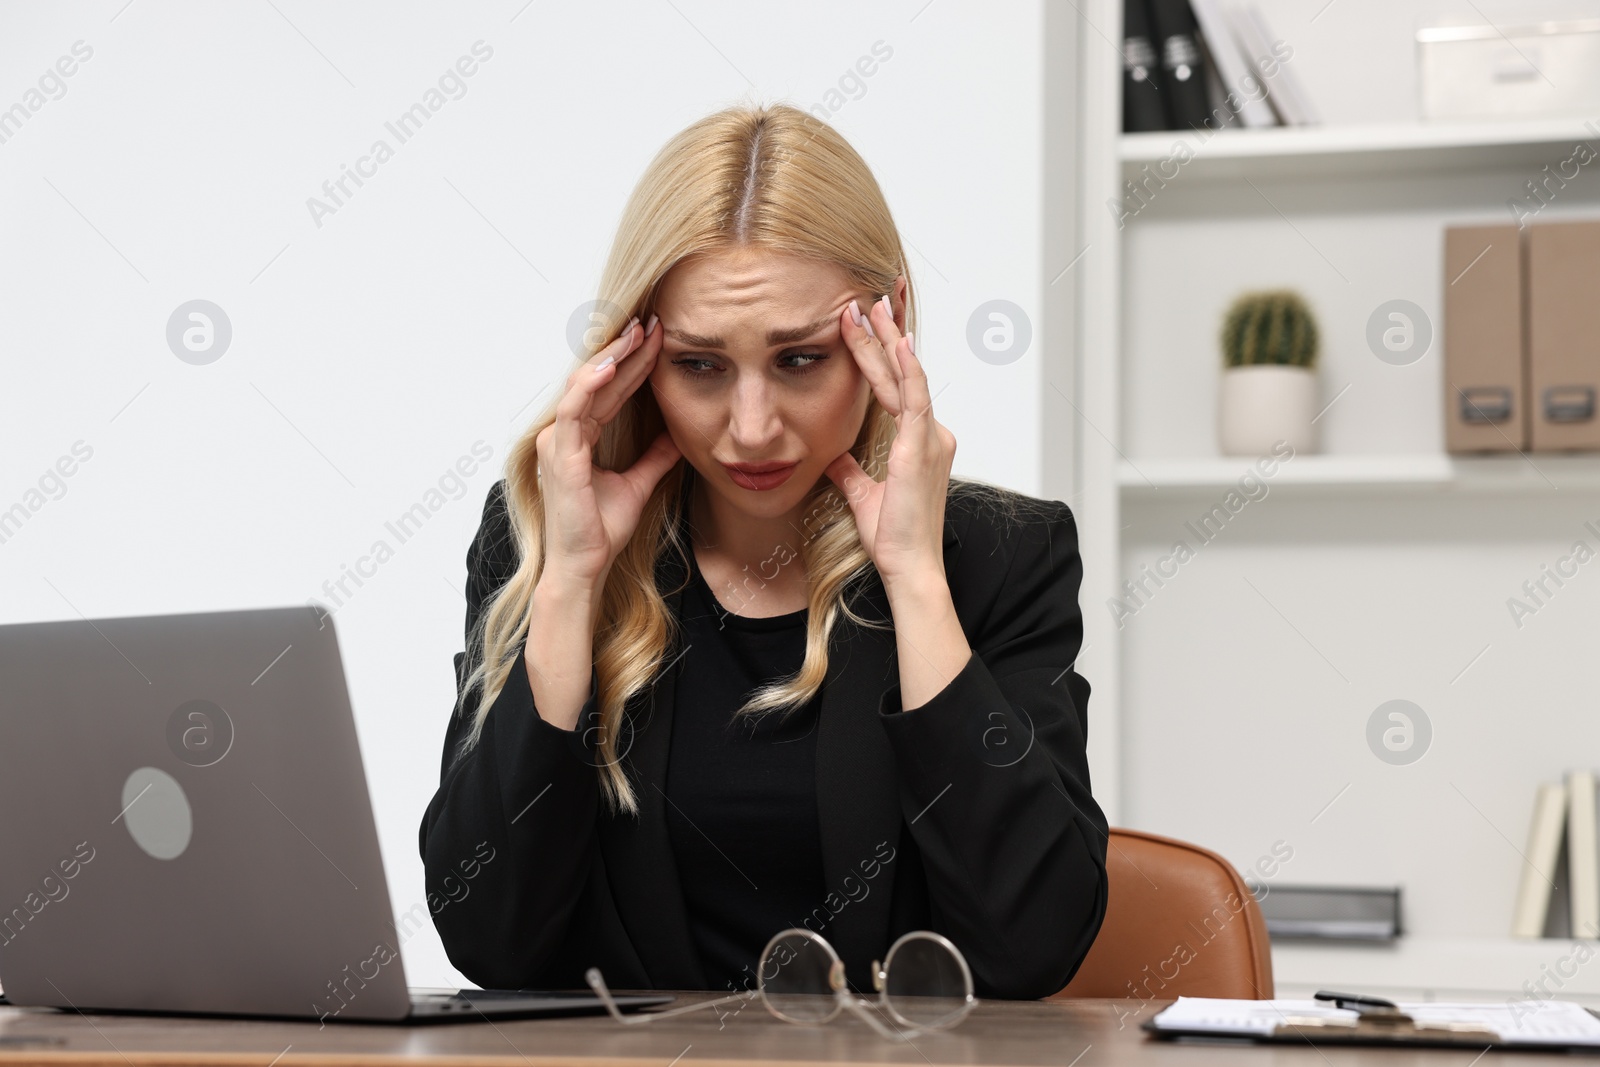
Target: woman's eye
x=815, y=360
x=690, y=370
x=692, y=367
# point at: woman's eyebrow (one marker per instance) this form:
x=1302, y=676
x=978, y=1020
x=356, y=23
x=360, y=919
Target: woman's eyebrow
x=774, y=337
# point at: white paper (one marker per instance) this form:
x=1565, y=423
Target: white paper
x=1541, y=1022
x=1242, y=1016
x=1524, y=1021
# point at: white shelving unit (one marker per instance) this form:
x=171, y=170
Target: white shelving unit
x=1532, y=474
x=1391, y=149
x=1230, y=715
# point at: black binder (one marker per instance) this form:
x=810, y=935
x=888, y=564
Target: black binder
x=1183, y=67
x=1142, y=109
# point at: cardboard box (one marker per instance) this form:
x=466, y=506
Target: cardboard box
x=1562, y=266
x=1485, y=393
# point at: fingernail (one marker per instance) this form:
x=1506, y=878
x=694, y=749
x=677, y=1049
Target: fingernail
x=604, y=363
x=887, y=308
x=631, y=324
x=653, y=320
x=911, y=344
x=870, y=331
x=855, y=312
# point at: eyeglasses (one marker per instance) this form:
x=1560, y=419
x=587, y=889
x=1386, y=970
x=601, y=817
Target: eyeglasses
x=923, y=985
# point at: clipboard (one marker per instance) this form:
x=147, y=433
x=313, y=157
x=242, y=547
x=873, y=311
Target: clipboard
x=1375, y=1022
x=1315, y=1031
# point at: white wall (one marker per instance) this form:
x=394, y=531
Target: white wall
x=429, y=313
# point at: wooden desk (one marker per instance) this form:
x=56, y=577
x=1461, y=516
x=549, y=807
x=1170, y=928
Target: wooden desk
x=1082, y=1032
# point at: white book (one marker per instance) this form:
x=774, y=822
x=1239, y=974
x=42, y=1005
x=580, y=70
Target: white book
x=1284, y=91
x=1233, y=69
x=1542, y=855
x=1582, y=859
x=1288, y=79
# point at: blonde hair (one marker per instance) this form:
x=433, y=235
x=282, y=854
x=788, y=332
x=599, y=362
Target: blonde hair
x=772, y=177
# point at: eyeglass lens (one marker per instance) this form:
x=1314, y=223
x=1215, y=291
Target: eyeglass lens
x=794, y=979
x=925, y=985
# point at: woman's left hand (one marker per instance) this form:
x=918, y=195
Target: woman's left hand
x=901, y=519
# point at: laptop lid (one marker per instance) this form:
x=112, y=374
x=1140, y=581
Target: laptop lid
x=185, y=823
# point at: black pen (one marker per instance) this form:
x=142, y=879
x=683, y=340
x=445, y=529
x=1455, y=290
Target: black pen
x=1355, y=1001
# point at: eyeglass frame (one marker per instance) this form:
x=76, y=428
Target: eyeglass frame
x=843, y=998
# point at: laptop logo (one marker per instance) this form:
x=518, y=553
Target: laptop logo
x=156, y=813
x=199, y=732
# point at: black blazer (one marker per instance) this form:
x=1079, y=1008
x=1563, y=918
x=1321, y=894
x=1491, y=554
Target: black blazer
x=971, y=815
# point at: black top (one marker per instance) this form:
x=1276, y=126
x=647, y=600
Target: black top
x=742, y=792
x=969, y=813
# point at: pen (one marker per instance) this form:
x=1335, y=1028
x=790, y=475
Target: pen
x=1353, y=1000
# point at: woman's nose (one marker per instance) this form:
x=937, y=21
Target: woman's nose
x=754, y=419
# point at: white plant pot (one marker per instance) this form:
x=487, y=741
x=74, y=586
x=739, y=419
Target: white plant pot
x=1262, y=404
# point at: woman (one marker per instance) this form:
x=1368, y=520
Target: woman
x=714, y=703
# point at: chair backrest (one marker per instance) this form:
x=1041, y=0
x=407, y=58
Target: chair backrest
x=1179, y=922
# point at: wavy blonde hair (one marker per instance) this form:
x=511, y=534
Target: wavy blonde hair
x=772, y=177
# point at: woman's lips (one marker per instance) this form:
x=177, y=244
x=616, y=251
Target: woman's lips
x=759, y=482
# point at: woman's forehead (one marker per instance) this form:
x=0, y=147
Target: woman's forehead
x=782, y=301
x=748, y=275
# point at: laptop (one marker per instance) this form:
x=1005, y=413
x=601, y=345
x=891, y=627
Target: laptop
x=185, y=828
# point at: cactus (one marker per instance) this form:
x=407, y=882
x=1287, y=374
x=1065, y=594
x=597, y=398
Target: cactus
x=1270, y=327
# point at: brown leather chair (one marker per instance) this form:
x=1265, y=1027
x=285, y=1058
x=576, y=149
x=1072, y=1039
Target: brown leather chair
x=1179, y=922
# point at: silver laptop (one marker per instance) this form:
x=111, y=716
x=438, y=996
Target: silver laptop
x=185, y=828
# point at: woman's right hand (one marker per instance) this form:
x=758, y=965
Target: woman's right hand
x=590, y=513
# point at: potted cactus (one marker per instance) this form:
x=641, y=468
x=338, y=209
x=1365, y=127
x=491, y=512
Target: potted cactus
x=1269, y=382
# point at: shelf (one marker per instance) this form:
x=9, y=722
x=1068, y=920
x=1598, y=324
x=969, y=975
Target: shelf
x=1535, y=473
x=1340, y=151
x=1440, y=967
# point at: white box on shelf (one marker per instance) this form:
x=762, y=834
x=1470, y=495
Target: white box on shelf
x=1476, y=72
